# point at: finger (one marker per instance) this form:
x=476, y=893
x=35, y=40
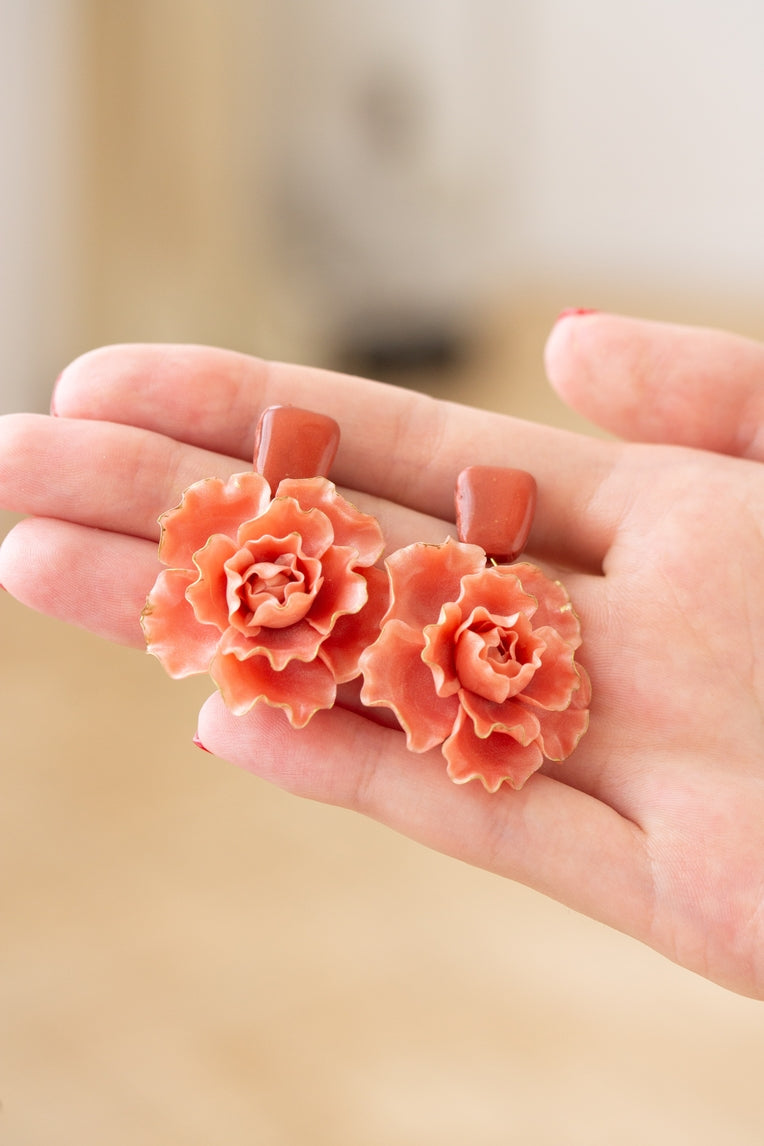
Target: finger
x=548, y=836
x=98, y=474
x=397, y=444
x=121, y=478
x=86, y=577
x=655, y=382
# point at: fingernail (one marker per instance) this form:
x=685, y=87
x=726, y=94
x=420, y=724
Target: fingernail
x=574, y=312
x=199, y=744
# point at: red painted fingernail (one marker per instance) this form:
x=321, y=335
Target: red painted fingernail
x=199, y=744
x=575, y=312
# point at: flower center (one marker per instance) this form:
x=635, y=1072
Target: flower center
x=270, y=590
x=274, y=578
x=495, y=659
x=500, y=644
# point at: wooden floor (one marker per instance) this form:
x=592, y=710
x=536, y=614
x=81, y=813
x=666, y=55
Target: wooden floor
x=189, y=957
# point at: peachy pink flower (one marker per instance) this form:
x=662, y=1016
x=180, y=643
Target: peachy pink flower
x=274, y=597
x=479, y=659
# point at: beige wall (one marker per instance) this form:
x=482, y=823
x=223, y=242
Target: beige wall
x=171, y=250
x=41, y=233
x=230, y=172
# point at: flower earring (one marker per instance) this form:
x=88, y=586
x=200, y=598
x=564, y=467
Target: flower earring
x=272, y=586
x=271, y=583
x=476, y=653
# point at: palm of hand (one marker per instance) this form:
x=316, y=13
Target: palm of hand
x=675, y=743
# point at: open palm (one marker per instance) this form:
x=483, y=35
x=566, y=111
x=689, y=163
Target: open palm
x=655, y=825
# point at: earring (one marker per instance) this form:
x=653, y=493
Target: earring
x=271, y=584
x=476, y=653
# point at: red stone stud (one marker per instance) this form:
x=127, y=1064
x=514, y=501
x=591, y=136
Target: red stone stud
x=494, y=509
x=294, y=443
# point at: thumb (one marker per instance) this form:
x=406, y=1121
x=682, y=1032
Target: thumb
x=656, y=382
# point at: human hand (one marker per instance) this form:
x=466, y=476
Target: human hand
x=656, y=824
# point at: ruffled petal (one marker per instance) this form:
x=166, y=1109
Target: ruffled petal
x=359, y=531
x=554, y=682
x=285, y=517
x=561, y=731
x=511, y=717
x=298, y=642
x=440, y=649
x=554, y=604
x=497, y=759
x=499, y=591
x=354, y=632
x=475, y=666
x=396, y=676
x=301, y=688
x=424, y=577
x=207, y=594
x=343, y=589
x=172, y=632
x=210, y=506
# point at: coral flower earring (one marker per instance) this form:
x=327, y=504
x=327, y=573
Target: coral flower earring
x=271, y=583
x=478, y=657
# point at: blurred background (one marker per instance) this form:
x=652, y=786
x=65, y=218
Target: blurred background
x=410, y=190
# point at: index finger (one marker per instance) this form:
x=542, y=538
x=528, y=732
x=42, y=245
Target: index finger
x=397, y=444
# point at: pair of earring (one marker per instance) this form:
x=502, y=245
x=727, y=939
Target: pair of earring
x=273, y=584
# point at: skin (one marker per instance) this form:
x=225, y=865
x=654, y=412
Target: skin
x=655, y=825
